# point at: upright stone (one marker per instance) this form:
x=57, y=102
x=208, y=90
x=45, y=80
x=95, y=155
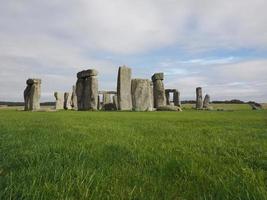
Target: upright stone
x=176, y=98
x=32, y=94
x=74, y=103
x=151, y=103
x=99, y=105
x=206, y=101
x=124, y=88
x=106, y=98
x=67, y=101
x=79, y=93
x=115, y=102
x=158, y=90
x=167, y=94
x=59, y=104
x=87, y=90
x=141, y=94
x=199, y=102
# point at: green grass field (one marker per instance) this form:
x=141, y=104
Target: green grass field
x=131, y=155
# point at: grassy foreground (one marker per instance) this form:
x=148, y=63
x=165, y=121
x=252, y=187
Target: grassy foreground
x=130, y=155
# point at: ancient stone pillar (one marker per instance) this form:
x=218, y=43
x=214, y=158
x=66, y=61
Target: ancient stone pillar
x=79, y=93
x=106, y=98
x=151, y=104
x=199, y=102
x=32, y=94
x=87, y=90
x=115, y=102
x=74, y=103
x=167, y=94
x=141, y=94
x=99, y=106
x=124, y=88
x=158, y=90
x=67, y=101
x=59, y=105
x=176, y=98
x=206, y=101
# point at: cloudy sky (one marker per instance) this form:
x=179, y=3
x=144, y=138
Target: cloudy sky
x=220, y=45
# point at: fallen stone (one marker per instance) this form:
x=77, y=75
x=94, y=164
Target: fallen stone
x=169, y=108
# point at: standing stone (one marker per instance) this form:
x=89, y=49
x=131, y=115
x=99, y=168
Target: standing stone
x=74, y=103
x=79, y=93
x=199, y=102
x=67, y=101
x=167, y=94
x=115, y=102
x=99, y=105
x=106, y=98
x=141, y=94
x=206, y=101
x=176, y=98
x=151, y=103
x=124, y=88
x=59, y=105
x=32, y=94
x=87, y=90
x=158, y=90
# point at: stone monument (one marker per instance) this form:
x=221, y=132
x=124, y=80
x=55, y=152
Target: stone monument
x=32, y=94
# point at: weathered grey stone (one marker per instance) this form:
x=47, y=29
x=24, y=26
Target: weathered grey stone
x=74, y=102
x=158, y=76
x=90, y=96
x=99, y=105
x=199, y=102
x=167, y=94
x=169, y=108
x=87, y=90
x=115, y=102
x=124, y=88
x=206, y=101
x=59, y=105
x=32, y=94
x=87, y=73
x=79, y=93
x=255, y=106
x=176, y=98
x=67, y=101
x=158, y=90
x=107, y=98
x=141, y=94
x=151, y=103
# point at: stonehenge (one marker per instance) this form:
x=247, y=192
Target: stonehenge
x=87, y=90
x=199, y=102
x=158, y=90
x=124, y=88
x=59, y=104
x=132, y=94
x=141, y=95
x=32, y=95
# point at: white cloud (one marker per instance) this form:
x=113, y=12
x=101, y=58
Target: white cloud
x=55, y=39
